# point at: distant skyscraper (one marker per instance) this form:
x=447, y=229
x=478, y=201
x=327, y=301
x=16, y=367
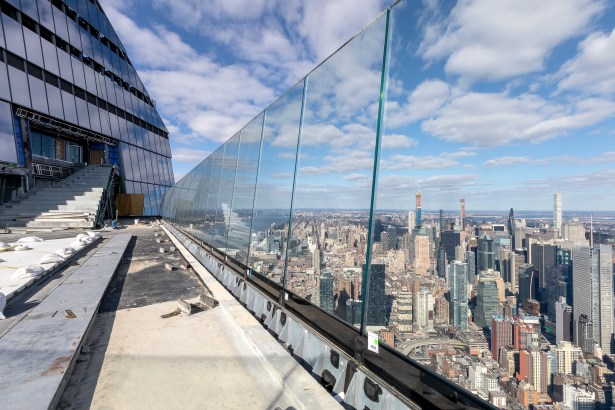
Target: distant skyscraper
x=404, y=310
x=442, y=227
x=391, y=238
x=511, y=226
x=486, y=253
x=463, y=213
x=421, y=255
x=557, y=212
x=423, y=309
x=419, y=216
x=376, y=305
x=592, y=280
x=411, y=221
x=457, y=279
x=441, y=264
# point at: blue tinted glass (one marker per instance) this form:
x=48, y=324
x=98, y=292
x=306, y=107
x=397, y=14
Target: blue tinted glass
x=19, y=86
x=8, y=153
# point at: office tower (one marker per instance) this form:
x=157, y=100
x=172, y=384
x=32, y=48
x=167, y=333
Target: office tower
x=563, y=320
x=411, y=221
x=421, y=255
x=423, y=309
x=471, y=261
x=419, y=216
x=487, y=302
x=592, y=277
x=316, y=260
x=449, y=241
x=528, y=282
x=376, y=299
x=391, y=238
x=69, y=96
x=584, y=333
x=501, y=335
x=551, y=293
x=486, y=253
x=326, y=292
x=442, y=227
x=441, y=262
x=441, y=310
x=578, y=397
x=511, y=225
x=557, y=212
x=574, y=231
x=378, y=229
x=457, y=279
x=463, y=213
x=543, y=257
x=404, y=310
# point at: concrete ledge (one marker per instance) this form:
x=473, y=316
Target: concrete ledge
x=40, y=351
x=291, y=376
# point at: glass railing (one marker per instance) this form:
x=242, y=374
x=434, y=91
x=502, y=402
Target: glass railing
x=379, y=195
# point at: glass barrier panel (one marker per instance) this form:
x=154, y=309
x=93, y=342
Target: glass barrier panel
x=275, y=183
x=332, y=195
x=225, y=195
x=240, y=217
x=212, y=195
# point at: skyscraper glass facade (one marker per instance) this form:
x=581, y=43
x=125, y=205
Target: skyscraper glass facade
x=346, y=174
x=69, y=95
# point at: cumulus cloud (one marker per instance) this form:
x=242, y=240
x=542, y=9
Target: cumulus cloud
x=502, y=39
x=592, y=70
x=492, y=119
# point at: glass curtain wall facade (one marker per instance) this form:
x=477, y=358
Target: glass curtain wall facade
x=341, y=192
x=67, y=85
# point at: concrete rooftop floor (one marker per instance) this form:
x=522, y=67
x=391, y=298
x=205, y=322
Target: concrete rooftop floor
x=135, y=359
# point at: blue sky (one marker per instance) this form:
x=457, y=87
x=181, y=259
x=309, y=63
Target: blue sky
x=500, y=103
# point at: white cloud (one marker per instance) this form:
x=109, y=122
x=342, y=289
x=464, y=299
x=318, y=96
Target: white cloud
x=189, y=155
x=605, y=157
x=413, y=162
x=492, y=119
x=501, y=39
x=592, y=70
x=506, y=161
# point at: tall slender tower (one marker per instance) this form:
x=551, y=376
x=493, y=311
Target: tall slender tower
x=418, y=210
x=557, y=212
x=463, y=213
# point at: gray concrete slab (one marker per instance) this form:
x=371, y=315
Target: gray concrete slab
x=37, y=354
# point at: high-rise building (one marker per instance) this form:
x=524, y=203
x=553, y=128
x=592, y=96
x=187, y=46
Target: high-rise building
x=486, y=253
x=423, y=309
x=501, y=335
x=391, y=238
x=487, y=302
x=419, y=213
x=574, y=231
x=457, y=279
x=528, y=282
x=441, y=262
x=449, y=241
x=565, y=356
x=584, y=333
x=376, y=305
x=421, y=255
x=404, y=310
x=462, y=203
x=592, y=276
x=563, y=321
x=69, y=95
x=411, y=221
x=544, y=256
x=557, y=212
x=326, y=292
